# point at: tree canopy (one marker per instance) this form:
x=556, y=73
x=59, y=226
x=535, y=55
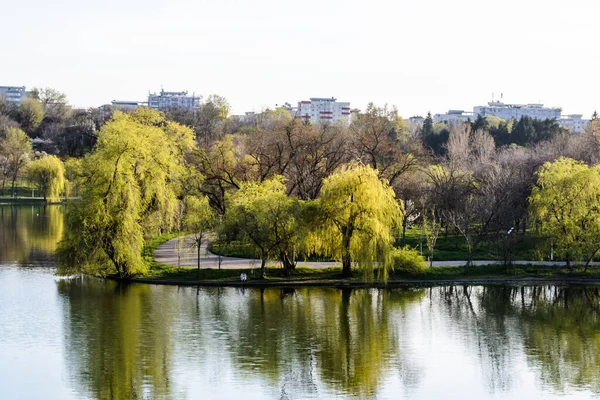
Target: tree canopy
x=132, y=181
x=358, y=213
x=566, y=202
x=263, y=214
x=47, y=174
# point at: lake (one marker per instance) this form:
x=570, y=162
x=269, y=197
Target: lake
x=87, y=338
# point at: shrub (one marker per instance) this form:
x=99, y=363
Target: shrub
x=408, y=260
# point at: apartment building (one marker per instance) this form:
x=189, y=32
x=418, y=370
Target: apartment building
x=13, y=94
x=165, y=100
x=573, y=122
x=323, y=110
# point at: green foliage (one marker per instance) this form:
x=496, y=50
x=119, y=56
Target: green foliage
x=15, y=153
x=566, y=202
x=264, y=215
x=358, y=213
x=408, y=260
x=47, y=174
x=30, y=114
x=198, y=217
x=131, y=184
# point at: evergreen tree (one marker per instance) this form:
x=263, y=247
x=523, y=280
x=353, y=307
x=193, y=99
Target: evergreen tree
x=427, y=129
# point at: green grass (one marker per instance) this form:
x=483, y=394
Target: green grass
x=453, y=247
x=334, y=275
x=21, y=188
x=448, y=248
x=162, y=272
x=170, y=273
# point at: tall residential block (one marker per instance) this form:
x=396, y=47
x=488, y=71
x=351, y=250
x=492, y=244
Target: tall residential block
x=323, y=110
x=505, y=111
x=166, y=100
x=12, y=94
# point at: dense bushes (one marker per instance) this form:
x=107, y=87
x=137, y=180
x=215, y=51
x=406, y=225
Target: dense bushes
x=408, y=260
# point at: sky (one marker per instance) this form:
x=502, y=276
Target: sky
x=417, y=55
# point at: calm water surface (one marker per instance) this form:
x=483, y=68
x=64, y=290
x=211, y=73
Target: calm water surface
x=89, y=338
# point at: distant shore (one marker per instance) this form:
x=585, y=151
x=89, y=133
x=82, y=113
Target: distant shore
x=349, y=283
x=31, y=200
x=165, y=270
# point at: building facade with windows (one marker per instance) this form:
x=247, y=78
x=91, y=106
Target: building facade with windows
x=454, y=116
x=573, y=122
x=127, y=105
x=320, y=110
x=517, y=111
x=13, y=94
x=166, y=100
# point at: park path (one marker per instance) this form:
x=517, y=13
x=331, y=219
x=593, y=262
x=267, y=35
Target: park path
x=181, y=253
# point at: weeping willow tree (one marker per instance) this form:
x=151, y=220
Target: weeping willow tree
x=47, y=174
x=358, y=215
x=129, y=188
x=263, y=215
x=566, y=203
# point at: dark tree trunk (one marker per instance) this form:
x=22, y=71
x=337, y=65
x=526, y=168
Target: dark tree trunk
x=263, y=263
x=198, y=244
x=288, y=265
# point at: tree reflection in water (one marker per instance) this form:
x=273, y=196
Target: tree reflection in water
x=30, y=232
x=118, y=338
x=132, y=341
x=557, y=327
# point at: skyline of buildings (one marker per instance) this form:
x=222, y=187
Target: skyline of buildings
x=507, y=112
x=328, y=109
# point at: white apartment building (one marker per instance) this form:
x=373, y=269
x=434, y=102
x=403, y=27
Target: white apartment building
x=454, y=116
x=320, y=110
x=165, y=100
x=516, y=111
x=13, y=94
x=572, y=122
x=127, y=105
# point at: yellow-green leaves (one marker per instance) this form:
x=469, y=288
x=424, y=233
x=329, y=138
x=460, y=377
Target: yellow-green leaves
x=130, y=189
x=359, y=213
x=566, y=201
x=263, y=214
x=47, y=174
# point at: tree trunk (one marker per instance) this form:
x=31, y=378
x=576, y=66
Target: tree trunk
x=263, y=263
x=470, y=260
x=431, y=257
x=346, y=257
x=587, y=264
x=347, y=232
x=12, y=186
x=198, y=244
x=288, y=265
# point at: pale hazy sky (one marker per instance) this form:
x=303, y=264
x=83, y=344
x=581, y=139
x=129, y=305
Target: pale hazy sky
x=418, y=55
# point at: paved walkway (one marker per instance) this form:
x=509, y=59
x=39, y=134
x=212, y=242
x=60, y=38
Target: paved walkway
x=181, y=252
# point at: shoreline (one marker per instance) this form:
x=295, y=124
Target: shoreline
x=343, y=283
x=160, y=255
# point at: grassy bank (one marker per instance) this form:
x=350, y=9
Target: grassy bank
x=489, y=274
x=449, y=247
